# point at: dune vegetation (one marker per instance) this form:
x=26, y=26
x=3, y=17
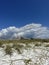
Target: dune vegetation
x=24, y=51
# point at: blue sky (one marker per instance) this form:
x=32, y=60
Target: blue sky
x=21, y=12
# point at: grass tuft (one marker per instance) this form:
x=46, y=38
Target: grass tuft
x=8, y=50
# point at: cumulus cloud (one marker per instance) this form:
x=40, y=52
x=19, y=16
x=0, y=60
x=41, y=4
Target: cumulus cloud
x=28, y=31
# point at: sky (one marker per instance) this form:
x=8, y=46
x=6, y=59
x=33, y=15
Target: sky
x=21, y=12
x=24, y=18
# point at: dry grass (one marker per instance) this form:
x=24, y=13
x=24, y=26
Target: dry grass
x=47, y=45
x=8, y=50
x=18, y=47
x=24, y=41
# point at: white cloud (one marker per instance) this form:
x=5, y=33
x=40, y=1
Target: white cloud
x=31, y=30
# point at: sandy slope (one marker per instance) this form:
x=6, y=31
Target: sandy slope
x=30, y=56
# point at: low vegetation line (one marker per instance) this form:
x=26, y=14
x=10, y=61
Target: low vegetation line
x=24, y=40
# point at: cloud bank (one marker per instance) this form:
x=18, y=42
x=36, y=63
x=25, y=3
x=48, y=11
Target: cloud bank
x=28, y=31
